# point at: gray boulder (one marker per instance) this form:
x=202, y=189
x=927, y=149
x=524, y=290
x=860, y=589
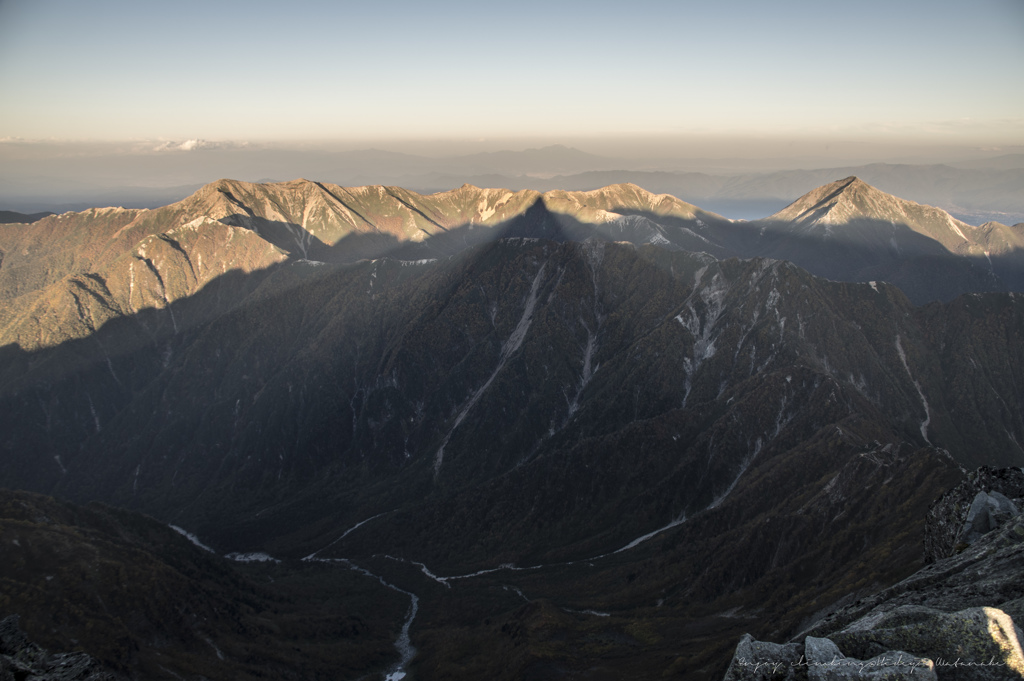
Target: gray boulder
x=948, y=514
x=976, y=643
x=825, y=662
x=761, y=661
x=819, y=659
x=988, y=511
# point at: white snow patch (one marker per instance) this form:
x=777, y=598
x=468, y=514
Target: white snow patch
x=507, y=350
x=92, y=410
x=220, y=655
x=596, y=613
x=484, y=211
x=650, y=535
x=927, y=412
x=344, y=534
x=516, y=590
x=702, y=326
x=595, y=252
x=255, y=557
x=192, y=538
x=743, y=469
x=131, y=285
x=953, y=226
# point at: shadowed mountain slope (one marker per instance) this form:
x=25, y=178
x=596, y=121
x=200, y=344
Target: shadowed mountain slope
x=505, y=397
x=64, y=276
x=850, y=231
x=144, y=601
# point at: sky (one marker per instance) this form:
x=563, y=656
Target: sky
x=894, y=71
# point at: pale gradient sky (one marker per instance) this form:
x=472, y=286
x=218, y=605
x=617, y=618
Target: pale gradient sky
x=934, y=71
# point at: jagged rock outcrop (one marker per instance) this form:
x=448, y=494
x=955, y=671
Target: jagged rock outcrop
x=959, y=611
x=987, y=512
x=825, y=662
x=820, y=659
x=948, y=515
x=763, y=661
x=974, y=643
x=20, y=659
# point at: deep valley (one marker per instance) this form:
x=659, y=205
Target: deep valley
x=485, y=433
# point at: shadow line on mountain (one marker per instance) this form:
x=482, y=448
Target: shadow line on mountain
x=116, y=363
x=920, y=266
x=863, y=250
x=119, y=359
x=866, y=250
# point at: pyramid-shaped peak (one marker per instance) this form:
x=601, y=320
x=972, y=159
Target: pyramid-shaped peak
x=842, y=201
x=850, y=201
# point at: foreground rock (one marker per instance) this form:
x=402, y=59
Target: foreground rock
x=950, y=525
x=819, y=659
x=22, y=659
x=954, y=619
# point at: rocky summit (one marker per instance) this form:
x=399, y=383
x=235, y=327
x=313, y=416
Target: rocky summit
x=579, y=434
x=955, y=619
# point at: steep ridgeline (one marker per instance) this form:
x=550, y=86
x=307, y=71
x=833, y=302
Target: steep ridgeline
x=850, y=231
x=643, y=432
x=64, y=276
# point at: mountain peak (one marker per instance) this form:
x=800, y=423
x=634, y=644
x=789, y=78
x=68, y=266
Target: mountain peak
x=844, y=201
x=851, y=206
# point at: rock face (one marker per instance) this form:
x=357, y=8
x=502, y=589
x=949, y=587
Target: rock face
x=825, y=662
x=987, y=512
x=958, y=611
x=763, y=661
x=820, y=659
x=22, y=659
x=948, y=516
x=974, y=643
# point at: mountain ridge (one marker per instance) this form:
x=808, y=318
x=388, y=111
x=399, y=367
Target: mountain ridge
x=306, y=220
x=484, y=391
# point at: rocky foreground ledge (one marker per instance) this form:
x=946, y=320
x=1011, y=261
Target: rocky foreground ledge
x=20, y=658
x=954, y=619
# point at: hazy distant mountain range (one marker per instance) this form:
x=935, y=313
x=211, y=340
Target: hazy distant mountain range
x=596, y=434
x=974, y=191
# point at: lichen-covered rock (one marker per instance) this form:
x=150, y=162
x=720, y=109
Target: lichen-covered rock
x=975, y=643
x=761, y=661
x=825, y=662
x=948, y=514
